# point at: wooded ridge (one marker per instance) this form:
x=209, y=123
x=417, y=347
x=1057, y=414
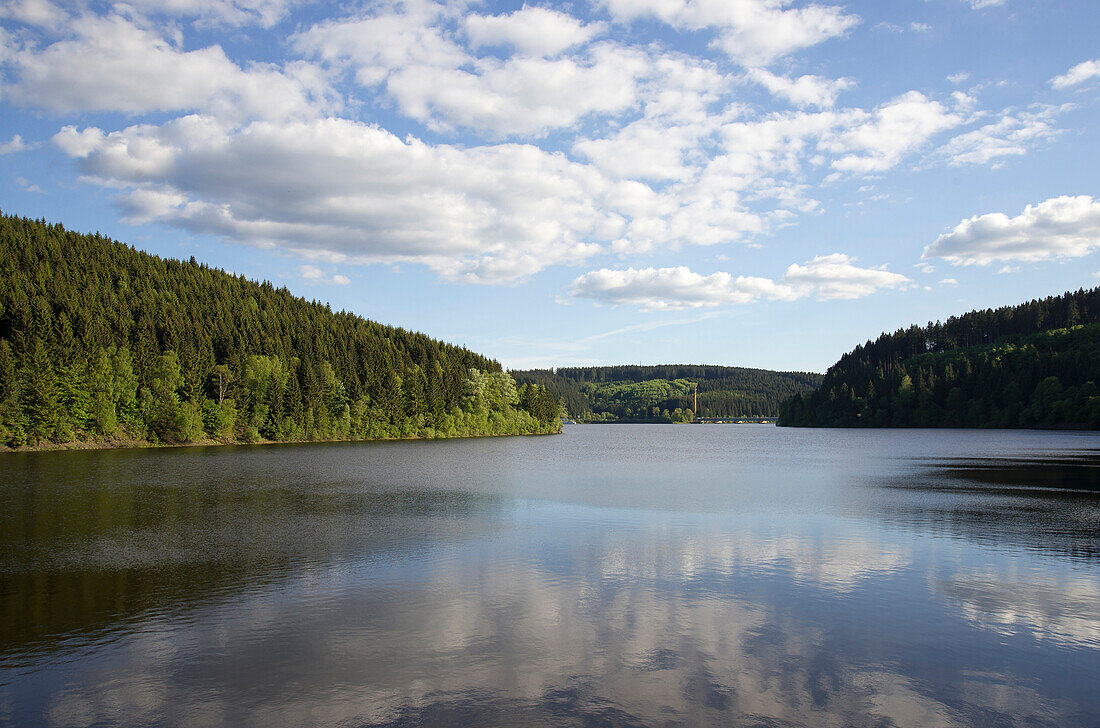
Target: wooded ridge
x=666, y=393
x=1032, y=365
x=99, y=341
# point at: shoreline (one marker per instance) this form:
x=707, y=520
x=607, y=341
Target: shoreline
x=77, y=445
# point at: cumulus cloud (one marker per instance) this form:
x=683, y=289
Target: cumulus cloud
x=375, y=45
x=522, y=95
x=1080, y=73
x=836, y=276
x=804, y=90
x=1061, y=227
x=881, y=138
x=656, y=289
x=265, y=13
x=534, y=31
x=979, y=4
x=855, y=141
x=315, y=275
x=657, y=151
x=828, y=277
x=29, y=186
x=114, y=65
x=752, y=32
x=677, y=128
x=1011, y=135
x=15, y=144
x=33, y=12
x=645, y=150
x=340, y=190
x=435, y=80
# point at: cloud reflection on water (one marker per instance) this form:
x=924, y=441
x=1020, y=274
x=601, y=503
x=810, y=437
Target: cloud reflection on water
x=647, y=624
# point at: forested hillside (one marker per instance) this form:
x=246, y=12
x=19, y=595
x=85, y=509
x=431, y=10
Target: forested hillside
x=665, y=393
x=1032, y=365
x=99, y=341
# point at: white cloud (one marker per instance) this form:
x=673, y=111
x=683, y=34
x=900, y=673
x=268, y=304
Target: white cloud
x=29, y=186
x=534, y=31
x=1061, y=227
x=979, y=4
x=15, y=144
x=677, y=128
x=1008, y=136
x=752, y=32
x=114, y=65
x=788, y=145
x=265, y=13
x=949, y=282
x=895, y=129
x=315, y=275
x=645, y=150
x=376, y=45
x=804, y=90
x=436, y=81
x=658, y=289
x=33, y=12
x=338, y=190
x=958, y=77
x=828, y=277
x=1080, y=73
x=522, y=95
x=837, y=277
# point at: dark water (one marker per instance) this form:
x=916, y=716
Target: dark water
x=610, y=576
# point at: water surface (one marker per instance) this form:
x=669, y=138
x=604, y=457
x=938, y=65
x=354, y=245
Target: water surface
x=613, y=575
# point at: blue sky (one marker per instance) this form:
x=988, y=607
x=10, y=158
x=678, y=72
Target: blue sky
x=746, y=182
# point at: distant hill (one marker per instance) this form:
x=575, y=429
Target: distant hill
x=664, y=393
x=1032, y=365
x=101, y=342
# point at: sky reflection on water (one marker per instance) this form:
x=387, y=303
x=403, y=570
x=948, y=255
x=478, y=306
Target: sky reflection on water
x=821, y=592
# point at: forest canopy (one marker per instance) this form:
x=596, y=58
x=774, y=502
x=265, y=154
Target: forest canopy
x=666, y=393
x=1032, y=365
x=99, y=341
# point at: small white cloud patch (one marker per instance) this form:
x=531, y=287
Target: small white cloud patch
x=1080, y=73
x=1061, y=227
x=314, y=274
x=752, y=32
x=804, y=90
x=15, y=144
x=656, y=289
x=534, y=31
x=837, y=277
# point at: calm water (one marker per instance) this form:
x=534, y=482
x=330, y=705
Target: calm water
x=613, y=575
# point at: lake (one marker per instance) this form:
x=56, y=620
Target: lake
x=645, y=575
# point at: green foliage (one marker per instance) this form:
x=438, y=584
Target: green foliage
x=633, y=392
x=98, y=340
x=1033, y=365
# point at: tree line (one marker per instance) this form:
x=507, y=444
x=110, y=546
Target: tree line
x=666, y=393
x=1032, y=365
x=101, y=341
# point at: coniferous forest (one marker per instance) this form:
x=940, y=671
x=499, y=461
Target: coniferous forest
x=665, y=393
x=1032, y=365
x=100, y=342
